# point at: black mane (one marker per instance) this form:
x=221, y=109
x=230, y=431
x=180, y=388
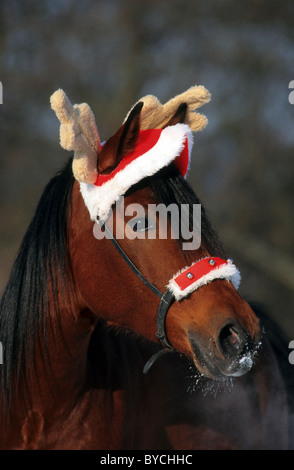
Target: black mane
x=24, y=304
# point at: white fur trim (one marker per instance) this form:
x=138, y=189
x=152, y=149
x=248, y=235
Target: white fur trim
x=99, y=199
x=190, y=139
x=226, y=271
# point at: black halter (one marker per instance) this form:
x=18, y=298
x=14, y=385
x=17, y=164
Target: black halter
x=166, y=299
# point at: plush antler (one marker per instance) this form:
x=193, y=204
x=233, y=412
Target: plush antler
x=78, y=132
x=154, y=115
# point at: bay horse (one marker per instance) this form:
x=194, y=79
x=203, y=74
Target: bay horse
x=78, y=326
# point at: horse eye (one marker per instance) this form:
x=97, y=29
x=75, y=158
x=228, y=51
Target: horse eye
x=141, y=224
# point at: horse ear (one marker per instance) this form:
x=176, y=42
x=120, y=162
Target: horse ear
x=123, y=142
x=179, y=117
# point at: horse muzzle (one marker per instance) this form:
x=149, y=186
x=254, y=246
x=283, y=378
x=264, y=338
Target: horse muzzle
x=230, y=354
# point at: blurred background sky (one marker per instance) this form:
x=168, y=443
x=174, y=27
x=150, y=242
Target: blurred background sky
x=109, y=53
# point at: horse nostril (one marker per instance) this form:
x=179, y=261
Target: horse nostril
x=231, y=340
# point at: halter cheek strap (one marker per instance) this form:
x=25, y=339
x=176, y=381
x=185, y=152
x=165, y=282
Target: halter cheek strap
x=128, y=261
x=165, y=302
x=166, y=299
x=181, y=285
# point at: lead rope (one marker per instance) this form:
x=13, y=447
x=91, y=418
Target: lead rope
x=166, y=299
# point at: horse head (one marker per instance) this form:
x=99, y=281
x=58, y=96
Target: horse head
x=142, y=282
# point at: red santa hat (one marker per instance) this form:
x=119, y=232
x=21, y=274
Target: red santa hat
x=162, y=140
x=155, y=149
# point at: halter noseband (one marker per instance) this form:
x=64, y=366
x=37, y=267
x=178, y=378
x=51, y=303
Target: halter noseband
x=182, y=284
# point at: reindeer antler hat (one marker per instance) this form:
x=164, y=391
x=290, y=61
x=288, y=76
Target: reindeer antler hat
x=161, y=140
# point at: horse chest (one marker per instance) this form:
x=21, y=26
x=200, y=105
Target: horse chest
x=95, y=422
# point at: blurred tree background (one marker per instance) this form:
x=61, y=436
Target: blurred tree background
x=109, y=53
